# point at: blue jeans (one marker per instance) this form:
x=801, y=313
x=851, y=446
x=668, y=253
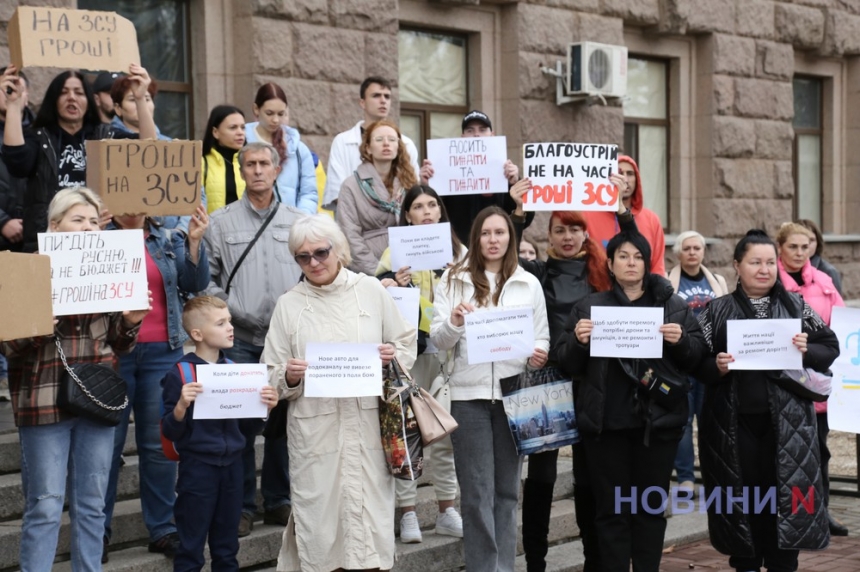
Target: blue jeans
x=79, y=450
x=143, y=369
x=685, y=458
x=4, y=367
x=275, y=475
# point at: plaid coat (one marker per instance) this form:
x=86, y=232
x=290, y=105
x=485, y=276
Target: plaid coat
x=35, y=368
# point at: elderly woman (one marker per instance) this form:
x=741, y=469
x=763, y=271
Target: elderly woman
x=631, y=432
x=369, y=200
x=60, y=451
x=342, y=494
x=697, y=286
x=756, y=434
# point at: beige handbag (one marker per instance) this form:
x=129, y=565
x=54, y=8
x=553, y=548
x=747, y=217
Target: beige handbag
x=434, y=420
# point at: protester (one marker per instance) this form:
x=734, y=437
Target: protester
x=631, y=435
x=346, y=155
x=222, y=139
x=421, y=205
x=816, y=247
x=575, y=267
x=528, y=251
x=251, y=285
x=209, y=488
x=51, y=154
x=60, y=451
x=369, y=201
x=604, y=225
x=173, y=264
x=798, y=275
x=488, y=467
x=125, y=117
x=102, y=85
x=296, y=184
x=12, y=189
x=756, y=434
x=697, y=286
x=341, y=490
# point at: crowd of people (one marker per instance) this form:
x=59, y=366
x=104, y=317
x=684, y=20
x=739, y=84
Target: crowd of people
x=258, y=272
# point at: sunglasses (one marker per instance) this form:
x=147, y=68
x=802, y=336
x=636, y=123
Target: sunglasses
x=320, y=255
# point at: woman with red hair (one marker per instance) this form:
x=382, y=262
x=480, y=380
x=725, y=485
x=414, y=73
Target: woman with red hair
x=575, y=267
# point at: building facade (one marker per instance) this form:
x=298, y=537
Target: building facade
x=741, y=113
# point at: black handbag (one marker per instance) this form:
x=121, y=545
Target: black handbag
x=92, y=391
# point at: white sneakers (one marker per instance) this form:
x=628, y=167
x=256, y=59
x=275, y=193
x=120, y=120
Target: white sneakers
x=410, y=532
x=449, y=523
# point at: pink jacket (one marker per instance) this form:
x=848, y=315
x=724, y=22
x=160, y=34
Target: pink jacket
x=819, y=292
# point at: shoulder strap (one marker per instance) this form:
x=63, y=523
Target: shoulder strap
x=251, y=245
x=299, y=160
x=187, y=372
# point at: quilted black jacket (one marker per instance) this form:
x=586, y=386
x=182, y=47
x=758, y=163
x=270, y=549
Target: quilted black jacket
x=798, y=457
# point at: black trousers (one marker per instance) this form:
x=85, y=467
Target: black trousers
x=630, y=526
x=757, y=448
x=823, y=431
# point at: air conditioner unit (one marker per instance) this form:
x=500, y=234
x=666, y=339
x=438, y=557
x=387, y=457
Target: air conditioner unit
x=594, y=69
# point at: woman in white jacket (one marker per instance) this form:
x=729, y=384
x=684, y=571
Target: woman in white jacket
x=485, y=456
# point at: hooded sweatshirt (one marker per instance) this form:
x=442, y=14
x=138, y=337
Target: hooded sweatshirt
x=603, y=225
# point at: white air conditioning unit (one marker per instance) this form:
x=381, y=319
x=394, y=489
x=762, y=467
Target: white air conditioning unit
x=596, y=69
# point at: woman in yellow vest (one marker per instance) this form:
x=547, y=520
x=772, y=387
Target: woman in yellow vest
x=224, y=136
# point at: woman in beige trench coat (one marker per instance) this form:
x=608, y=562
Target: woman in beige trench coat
x=369, y=200
x=342, y=492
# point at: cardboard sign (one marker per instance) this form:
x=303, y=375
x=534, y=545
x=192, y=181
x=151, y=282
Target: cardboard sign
x=626, y=332
x=25, y=296
x=96, y=272
x=497, y=335
x=135, y=176
x=420, y=246
x=844, y=401
x=77, y=39
x=468, y=165
x=343, y=370
x=570, y=176
x=231, y=391
x=763, y=344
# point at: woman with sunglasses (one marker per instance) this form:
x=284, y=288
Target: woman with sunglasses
x=341, y=490
x=422, y=205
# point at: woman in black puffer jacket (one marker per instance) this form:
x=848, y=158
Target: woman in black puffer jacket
x=630, y=435
x=755, y=435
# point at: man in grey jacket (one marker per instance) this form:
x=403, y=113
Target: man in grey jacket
x=251, y=267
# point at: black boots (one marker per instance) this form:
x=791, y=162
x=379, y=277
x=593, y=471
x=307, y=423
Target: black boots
x=537, y=505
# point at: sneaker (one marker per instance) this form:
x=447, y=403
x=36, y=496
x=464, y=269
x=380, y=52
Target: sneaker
x=449, y=523
x=246, y=524
x=410, y=532
x=279, y=515
x=4, y=389
x=688, y=486
x=167, y=545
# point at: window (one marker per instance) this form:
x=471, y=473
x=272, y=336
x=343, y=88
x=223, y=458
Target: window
x=646, y=129
x=807, y=155
x=433, y=85
x=162, y=35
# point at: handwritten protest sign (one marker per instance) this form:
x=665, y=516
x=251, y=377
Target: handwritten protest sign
x=626, y=332
x=96, y=272
x=844, y=401
x=25, y=296
x=496, y=335
x=231, y=391
x=468, y=165
x=343, y=370
x=570, y=176
x=77, y=39
x=407, y=301
x=420, y=246
x=145, y=177
x=763, y=344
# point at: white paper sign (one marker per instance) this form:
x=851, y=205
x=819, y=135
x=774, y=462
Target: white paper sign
x=343, y=370
x=231, y=391
x=843, y=404
x=570, y=176
x=763, y=344
x=407, y=301
x=626, y=332
x=496, y=335
x=468, y=165
x=96, y=272
x=420, y=246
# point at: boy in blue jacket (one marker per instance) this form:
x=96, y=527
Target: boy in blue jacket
x=209, y=488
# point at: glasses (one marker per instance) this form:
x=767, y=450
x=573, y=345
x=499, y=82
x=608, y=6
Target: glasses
x=320, y=255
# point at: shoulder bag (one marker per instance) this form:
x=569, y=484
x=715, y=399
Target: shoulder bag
x=250, y=246
x=92, y=391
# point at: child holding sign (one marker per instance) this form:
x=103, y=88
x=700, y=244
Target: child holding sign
x=209, y=489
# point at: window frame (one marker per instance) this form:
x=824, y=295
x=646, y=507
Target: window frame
x=795, y=162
